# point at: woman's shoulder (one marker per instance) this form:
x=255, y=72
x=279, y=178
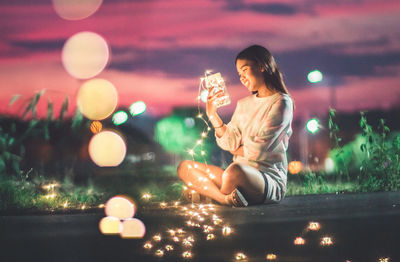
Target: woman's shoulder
x=245, y=100
x=283, y=98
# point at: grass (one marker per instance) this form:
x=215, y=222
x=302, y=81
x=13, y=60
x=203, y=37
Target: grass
x=33, y=193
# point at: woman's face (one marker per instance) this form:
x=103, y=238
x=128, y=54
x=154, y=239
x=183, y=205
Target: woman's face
x=250, y=74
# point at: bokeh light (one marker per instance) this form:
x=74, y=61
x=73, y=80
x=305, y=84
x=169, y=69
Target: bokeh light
x=329, y=165
x=189, y=122
x=133, y=228
x=295, y=167
x=312, y=125
x=96, y=127
x=110, y=225
x=119, y=118
x=107, y=148
x=315, y=76
x=120, y=207
x=85, y=55
x=76, y=9
x=97, y=99
x=137, y=108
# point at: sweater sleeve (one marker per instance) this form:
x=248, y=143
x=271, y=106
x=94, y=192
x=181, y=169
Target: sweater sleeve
x=271, y=131
x=231, y=139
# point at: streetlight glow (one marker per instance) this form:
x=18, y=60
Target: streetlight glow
x=312, y=125
x=315, y=76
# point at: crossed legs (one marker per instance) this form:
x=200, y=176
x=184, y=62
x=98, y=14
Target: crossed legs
x=217, y=183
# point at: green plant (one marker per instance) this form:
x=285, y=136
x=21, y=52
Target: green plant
x=341, y=156
x=380, y=170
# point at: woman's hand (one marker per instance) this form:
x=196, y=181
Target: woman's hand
x=238, y=152
x=211, y=108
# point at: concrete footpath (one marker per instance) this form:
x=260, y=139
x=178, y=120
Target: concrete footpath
x=351, y=227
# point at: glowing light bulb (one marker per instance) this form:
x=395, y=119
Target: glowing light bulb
x=271, y=257
x=157, y=238
x=226, y=230
x=299, y=241
x=314, y=226
x=326, y=241
x=187, y=254
x=159, y=253
x=210, y=236
x=169, y=247
x=240, y=256
x=147, y=245
x=146, y=196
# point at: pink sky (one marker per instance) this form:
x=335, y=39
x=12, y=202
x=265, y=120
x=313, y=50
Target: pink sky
x=160, y=49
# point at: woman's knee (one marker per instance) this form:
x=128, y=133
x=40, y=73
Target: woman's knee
x=234, y=172
x=183, y=167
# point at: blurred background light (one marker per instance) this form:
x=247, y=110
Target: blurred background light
x=315, y=76
x=97, y=99
x=107, y=149
x=96, y=127
x=119, y=118
x=189, y=122
x=85, y=55
x=120, y=207
x=76, y=9
x=133, y=228
x=295, y=167
x=137, y=108
x=110, y=225
x=329, y=165
x=312, y=125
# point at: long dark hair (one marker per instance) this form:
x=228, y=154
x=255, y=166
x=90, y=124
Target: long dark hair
x=263, y=58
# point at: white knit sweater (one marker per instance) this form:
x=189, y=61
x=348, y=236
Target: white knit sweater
x=263, y=126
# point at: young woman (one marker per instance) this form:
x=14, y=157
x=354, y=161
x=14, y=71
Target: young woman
x=257, y=136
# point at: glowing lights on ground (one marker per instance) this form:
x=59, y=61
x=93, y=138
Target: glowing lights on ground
x=240, y=256
x=187, y=254
x=326, y=241
x=107, y=148
x=159, y=253
x=295, y=167
x=299, y=241
x=314, y=226
x=97, y=99
x=271, y=257
x=315, y=76
x=120, y=207
x=312, y=125
x=147, y=245
x=85, y=55
x=137, y=108
x=76, y=9
x=210, y=236
x=226, y=230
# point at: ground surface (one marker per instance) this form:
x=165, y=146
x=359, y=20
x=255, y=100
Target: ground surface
x=363, y=227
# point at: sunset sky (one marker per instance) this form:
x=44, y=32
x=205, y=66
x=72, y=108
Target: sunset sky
x=161, y=48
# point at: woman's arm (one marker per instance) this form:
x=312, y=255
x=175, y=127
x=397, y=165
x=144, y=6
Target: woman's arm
x=211, y=111
x=228, y=136
x=239, y=151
